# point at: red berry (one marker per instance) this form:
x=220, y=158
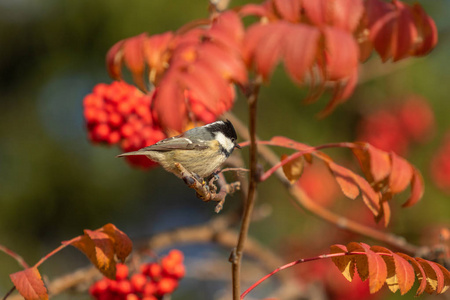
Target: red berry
x=124, y=108
x=150, y=297
x=150, y=288
x=154, y=271
x=124, y=287
x=101, y=132
x=176, y=255
x=115, y=119
x=114, y=137
x=90, y=114
x=99, y=287
x=167, y=285
x=138, y=282
x=102, y=116
x=127, y=130
x=101, y=89
x=178, y=271
x=132, y=297
x=93, y=100
x=121, y=272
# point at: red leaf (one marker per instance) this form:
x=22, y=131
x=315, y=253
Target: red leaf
x=289, y=10
x=155, y=50
x=254, y=10
x=342, y=91
x=207, y=85
x=169, y=103
x=133, y=55
x=263, y=45
x=405, y=34
x=401, y=174
x=29, y=284
x=417, y=189
x=381, y=17
x=341, y=53
x=114, y=59
x=427, y=31
x=223, y=62
x=346, y=13
x=317, y=11
x=300, y=50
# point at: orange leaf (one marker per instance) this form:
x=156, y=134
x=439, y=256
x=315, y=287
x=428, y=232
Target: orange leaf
x=351, y=184
x=374, y=162
x=99, y=248
x=29, y=284
x=361, y=261
x=400, y=272
x=417, y=189
x=401, y=174
x=293, y=169
x=122, y=243
x=434, y=276
x=446, y=274
x=345, y=179
x=377, y=269
x=346, y=263
x=419, y=271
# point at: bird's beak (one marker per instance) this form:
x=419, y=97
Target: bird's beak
x=237, y=146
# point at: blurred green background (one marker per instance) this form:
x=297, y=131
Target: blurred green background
x=54, y=183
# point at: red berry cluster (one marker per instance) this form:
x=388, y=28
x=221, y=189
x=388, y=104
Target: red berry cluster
x=395, y=128
x=440, y=166
x=120, y=114
x=153, y=282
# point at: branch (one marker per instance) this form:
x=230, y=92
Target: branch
x=236, y=255
x=302, y=199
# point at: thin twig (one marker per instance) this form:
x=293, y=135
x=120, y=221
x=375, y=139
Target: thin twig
x=14, y=255
x=236, y=255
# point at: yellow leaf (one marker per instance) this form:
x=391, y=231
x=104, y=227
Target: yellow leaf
x=293, y=169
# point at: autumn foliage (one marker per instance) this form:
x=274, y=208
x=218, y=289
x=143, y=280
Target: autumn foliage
x=191, y=77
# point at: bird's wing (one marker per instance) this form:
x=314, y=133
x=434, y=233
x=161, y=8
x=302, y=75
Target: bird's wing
x=173, y=143
x=177, y=143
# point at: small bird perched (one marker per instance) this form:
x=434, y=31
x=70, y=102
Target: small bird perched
x=201, y=150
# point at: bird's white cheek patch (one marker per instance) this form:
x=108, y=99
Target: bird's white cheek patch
x=225, y=142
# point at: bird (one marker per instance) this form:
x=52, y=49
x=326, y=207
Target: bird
x=200, y=150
